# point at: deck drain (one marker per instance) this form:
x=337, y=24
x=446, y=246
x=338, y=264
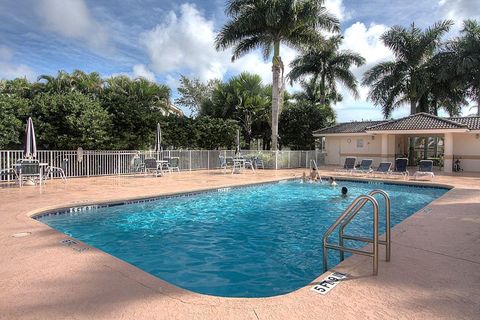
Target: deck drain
x=21, y=234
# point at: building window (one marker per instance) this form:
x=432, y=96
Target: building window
x=359, y=143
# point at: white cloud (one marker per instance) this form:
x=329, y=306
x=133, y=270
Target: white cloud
x=364, y=40
x=73, y=19
x=141, y=71
x=459, y=10
x=185, y=42
x=10, y=70
x=337, y=8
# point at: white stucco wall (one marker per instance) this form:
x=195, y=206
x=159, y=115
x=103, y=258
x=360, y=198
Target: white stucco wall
x=338, y=148
x=467, y=147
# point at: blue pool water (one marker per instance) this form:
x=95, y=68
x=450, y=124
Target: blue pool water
x=256, y=241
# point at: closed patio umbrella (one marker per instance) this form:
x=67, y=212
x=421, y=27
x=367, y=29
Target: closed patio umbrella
x=29, y=143
x=237, y=149
x=158, y=140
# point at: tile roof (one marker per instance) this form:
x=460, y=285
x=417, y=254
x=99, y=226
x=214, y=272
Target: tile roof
x=472, y=122
x=418, y=121
x=349, y=127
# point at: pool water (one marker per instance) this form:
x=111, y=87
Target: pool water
x=253, y=241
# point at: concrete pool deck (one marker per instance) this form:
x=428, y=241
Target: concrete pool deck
x=434, y=272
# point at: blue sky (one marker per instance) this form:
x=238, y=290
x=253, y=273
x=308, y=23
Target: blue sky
x=161, y=39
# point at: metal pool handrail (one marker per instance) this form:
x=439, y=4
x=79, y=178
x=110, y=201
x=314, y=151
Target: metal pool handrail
x=386, y=242
x=360, y=202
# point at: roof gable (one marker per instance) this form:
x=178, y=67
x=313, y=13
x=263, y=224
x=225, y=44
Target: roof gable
x=418, y=121
x=472, y=122
x=349, y=127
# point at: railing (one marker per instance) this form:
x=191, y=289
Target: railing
x=117, y=162
x=345, y=219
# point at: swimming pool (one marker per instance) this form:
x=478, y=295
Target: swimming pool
x=254, y=241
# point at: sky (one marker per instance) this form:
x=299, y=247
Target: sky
x=163, y=39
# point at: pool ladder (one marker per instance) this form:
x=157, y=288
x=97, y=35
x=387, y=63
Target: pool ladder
x=345, y=219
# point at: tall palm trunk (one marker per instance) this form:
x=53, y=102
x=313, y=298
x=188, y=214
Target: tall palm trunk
x=276, y=93
x=413, y=106
x=478, y=105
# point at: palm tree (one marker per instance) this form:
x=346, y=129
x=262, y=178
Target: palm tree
x=466, y=59
x=327, y=65
x=266, y=24
x=394, y=83
x=311, y=94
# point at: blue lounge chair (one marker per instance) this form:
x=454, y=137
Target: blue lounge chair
x=425, y=168
x=401, y=167
x=383, y=168
x=365, y=166
x=349, y=165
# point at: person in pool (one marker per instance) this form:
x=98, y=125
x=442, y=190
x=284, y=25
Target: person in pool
x=304, y=177
x=314, y=176
x=344, y=192
x=332, y=182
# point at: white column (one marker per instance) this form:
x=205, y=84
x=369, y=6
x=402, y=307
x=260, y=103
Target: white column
x=448, y=152
x=384, y=147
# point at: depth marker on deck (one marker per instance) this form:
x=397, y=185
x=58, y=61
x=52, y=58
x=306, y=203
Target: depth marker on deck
x=329, y=282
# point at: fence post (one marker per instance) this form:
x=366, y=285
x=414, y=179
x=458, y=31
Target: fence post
x=208, y=159
x=88, y=163
x=276, y=159
x=190, y=162
x=8, y=163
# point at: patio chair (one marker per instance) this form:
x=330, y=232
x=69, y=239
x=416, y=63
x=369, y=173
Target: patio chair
x=425, y=168
x=8, y=172
x=401, y=168
x=258, y=162
x=383, y=168
x=51, y=171
x=151, y=166
x=249, y=163
x=29, y=170
x=173, y=164
x=138, y=165
x=365, y=166
x=349, y=165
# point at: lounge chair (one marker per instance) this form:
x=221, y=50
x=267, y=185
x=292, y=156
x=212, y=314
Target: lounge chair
x=151, y=166
x=365, y=166
x=349, y=165
x=383, y=168
x=425, y=168
x=401, y=168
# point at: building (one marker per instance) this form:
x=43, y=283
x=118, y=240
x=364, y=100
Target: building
x=433, y=137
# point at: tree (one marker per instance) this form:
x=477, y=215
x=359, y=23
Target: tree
x=300, y=120
x=243, y=98
x=394, y=83
x=327, y=64
x=215, y=133
x=466, y=59
x=13, y=111
x=312, y=94
x=69, y=121
x=266, y=24
x=134, y=107
x=193, y=93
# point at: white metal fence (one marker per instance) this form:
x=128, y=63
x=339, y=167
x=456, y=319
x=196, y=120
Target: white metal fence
x=117, y=162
